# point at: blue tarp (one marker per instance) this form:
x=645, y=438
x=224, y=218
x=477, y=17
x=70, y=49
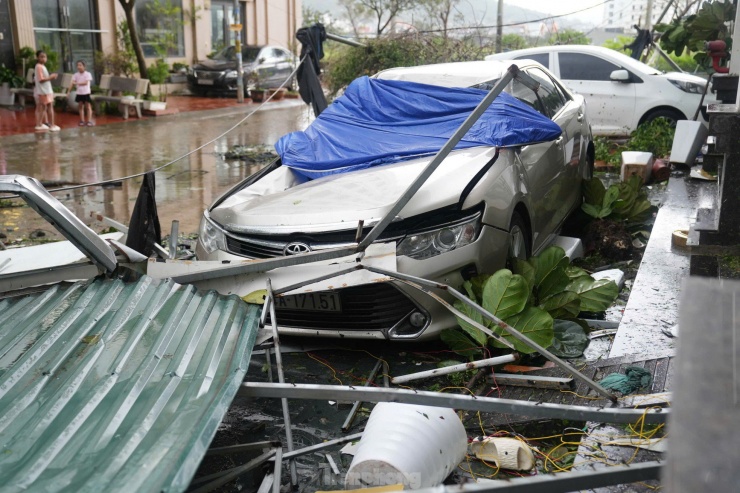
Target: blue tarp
x=384, y=121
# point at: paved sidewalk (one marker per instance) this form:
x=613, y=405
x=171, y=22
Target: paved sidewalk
x=16, y=120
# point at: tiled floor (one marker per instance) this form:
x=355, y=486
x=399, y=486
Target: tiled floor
x=15, y=120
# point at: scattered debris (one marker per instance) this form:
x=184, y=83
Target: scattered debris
x=633, y=379
x=446, y=370
x=506, y=453
x=532, y=381
x=259, y=154
x=698, y=173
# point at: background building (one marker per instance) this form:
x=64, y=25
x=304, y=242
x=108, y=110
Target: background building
x=75, y=29
x=626, y=13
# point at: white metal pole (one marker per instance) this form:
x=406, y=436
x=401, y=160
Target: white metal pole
x=238, y=49
x=735, y=54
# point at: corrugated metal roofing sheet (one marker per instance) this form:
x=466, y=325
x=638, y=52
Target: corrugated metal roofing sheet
x=110, y=386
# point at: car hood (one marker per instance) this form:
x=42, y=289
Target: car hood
x=338, y=202
x=683, y=77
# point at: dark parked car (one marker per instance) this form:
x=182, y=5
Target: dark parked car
x=271, y=64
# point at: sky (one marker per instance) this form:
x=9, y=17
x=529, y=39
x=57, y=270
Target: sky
x=564, y=7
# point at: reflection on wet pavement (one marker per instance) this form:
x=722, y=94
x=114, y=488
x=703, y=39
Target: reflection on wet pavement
x=184, y=189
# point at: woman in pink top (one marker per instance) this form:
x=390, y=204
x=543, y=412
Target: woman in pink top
x=44, y=94
x=82, y=79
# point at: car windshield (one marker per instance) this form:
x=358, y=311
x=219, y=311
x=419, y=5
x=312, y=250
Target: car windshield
x=249, y=54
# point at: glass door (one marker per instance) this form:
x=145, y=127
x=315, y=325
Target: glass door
x=222, y=16
x=67, y=28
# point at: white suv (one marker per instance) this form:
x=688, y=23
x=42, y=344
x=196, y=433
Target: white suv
x=620, y=91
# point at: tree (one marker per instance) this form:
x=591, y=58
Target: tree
x=513, y=41
x=384, y=11
x=568, y=37
x=128, y=9
x=619, y=44
x=439, y=13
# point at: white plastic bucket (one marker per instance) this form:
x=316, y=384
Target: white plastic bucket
x=418, y=446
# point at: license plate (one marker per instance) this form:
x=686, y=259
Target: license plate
x=205, y=82
x=317, y=302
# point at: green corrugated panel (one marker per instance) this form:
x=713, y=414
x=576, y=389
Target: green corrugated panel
x=111, y=386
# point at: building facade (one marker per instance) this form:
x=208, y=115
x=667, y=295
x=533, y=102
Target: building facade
x=624, y=14
x=76, y=29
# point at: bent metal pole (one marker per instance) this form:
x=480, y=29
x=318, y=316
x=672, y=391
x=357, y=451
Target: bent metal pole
x=374, y=233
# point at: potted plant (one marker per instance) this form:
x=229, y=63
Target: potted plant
x=278, y=93
x=157, y=74
x=8, y=80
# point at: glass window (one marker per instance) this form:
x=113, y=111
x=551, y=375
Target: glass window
x=160, y=25
x=541, y=58
x=526, y=96
x=548, y=93
x=579, y=66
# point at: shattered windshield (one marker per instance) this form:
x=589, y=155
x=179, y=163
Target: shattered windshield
x=249, y=54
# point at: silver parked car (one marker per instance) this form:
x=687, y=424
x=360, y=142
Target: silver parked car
x=468, y=218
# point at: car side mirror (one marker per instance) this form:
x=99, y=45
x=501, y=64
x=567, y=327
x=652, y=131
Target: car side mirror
x=261, y=60
x=620, y=76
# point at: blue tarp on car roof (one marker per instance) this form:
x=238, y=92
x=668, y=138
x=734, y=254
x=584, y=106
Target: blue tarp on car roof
x=384, y=121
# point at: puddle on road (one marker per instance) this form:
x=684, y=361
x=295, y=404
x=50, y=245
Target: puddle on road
x=184, y=189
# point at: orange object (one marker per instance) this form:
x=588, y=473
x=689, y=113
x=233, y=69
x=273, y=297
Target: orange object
x=661, y=170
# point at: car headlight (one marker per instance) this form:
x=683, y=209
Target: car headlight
x=685, y=86
x=231, y=74
x=428, y=244
x=211, y=236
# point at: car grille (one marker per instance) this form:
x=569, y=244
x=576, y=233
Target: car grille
x=207, y=75
x=370, y=307
x=254, y=248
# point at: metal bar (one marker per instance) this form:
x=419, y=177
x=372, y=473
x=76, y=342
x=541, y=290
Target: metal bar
x=269, y=364
x=332, y=464
x=278, y=470
x=439, y=157
x=264, y=265
x=161, y=251
x=499, y=360
x=112, y=222
x=561, y=482
x=223, y=477
x=242, y=447
x=321, y=446
x=266, y=485
x=281, y=378
x=346, y=41
x=356, y=406
x=456, y=401
x=503, y=325
x=301, y=284
x=532, y=381
x=174, y=233
x=386, y=375
x=460, y=314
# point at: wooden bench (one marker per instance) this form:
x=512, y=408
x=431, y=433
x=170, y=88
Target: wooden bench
x=112, y=83
x=60, y=85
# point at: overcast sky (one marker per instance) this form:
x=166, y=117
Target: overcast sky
x=561, y=7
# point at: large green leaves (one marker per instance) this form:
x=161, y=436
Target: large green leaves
x=532, y=322
x=570, y=339
x=460, y=343
x=566, y=304
x=596, y=296
x=550, y=277
x=478, y=335
x=505, y=294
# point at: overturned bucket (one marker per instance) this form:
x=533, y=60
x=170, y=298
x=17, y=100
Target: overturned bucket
x=417, y=446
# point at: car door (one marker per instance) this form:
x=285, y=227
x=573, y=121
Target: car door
x=542, y=165
x=569, y=116
x=267, y=67
x=610, y=104
x=284, y=66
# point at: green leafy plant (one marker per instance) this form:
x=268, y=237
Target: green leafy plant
x=655, y=136
x=27, y=59
x=529, y=298
x=121, y=61
x=710, y=23
x=9, y=76
x=52, y=58
x=624, y=201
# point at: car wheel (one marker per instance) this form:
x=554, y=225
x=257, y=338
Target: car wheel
x=671, y=115
x=519, y=245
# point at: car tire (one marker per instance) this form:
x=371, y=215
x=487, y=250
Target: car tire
x=672, y=115
x=520, y=244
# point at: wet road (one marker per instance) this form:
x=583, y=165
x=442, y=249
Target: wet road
x=184, y=189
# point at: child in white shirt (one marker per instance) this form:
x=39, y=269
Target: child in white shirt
x=82, y=79
x=44, y=94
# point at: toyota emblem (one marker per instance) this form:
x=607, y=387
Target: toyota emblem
x=296, y=248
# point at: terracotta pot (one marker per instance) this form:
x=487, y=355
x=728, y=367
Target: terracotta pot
x=278, y=94
x=257, y=95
